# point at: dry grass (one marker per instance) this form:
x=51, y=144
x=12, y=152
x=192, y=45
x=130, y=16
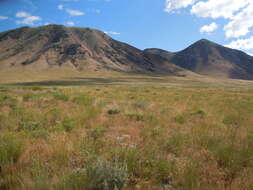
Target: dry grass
x=149, y=133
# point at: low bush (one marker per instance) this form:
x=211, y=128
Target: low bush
x=68, y=125
x=139, y=116
x=113, y=111
x=199, y=112
x=180, y=119
x=42, y=133
x=29, y=126
x=60, y=96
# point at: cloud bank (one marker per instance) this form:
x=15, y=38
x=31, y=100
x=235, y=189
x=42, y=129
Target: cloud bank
x=238, y=16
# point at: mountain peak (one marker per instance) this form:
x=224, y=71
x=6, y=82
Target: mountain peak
x=203, y=43
x=209, y=58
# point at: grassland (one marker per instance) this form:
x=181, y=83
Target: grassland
x=125, y=132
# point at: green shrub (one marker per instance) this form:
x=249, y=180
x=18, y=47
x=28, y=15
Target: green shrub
x=4, y=98
x=232, y=119
x=65, y=125
x=101, y=175
x=60, y=96
x=200, y=112
x=43, y=134
x=10, y=149
x=68, y=125
x=31, y=96
x=113, y=111
x=105, y=176
x=140, y=117
x=57, y=128
x=29, y=126
x=36, y=88
x=180, y=119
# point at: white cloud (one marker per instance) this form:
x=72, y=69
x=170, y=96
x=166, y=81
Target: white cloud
x=209, y=28
x=171, y=5
x=241, y=23
x=27, y=19
x=73, y=12
x=242, y=44
x=3, y=17
x=22, y=14
x=70, y=23
x=112, y=33
x=60, y=7
x=237, y=15
x=218, y=8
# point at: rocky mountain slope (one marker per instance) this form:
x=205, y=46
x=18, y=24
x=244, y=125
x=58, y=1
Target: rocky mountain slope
x=208, y=58
x=88, y=49
x=78, y=48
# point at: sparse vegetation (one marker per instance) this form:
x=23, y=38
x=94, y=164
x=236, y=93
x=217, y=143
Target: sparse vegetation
x=126, y=138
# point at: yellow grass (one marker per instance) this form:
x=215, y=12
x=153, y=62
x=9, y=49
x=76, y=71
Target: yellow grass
x=162, y=132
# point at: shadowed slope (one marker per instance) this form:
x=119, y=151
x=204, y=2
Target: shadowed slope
x=208, y=58
x=78, y=48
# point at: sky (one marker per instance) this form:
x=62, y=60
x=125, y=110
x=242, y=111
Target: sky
x=167, y=24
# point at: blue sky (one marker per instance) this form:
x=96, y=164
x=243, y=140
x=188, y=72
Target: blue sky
x=168, y=24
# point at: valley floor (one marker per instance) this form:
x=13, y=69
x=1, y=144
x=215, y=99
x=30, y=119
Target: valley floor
x=84, y=131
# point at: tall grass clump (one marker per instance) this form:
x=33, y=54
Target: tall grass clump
x=101, y=175
x=10, y=149
x=83, y=100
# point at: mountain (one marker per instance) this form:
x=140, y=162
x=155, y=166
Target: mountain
x=208, y=58
x=86, y=49
x=77, y=48
x=163, y=53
